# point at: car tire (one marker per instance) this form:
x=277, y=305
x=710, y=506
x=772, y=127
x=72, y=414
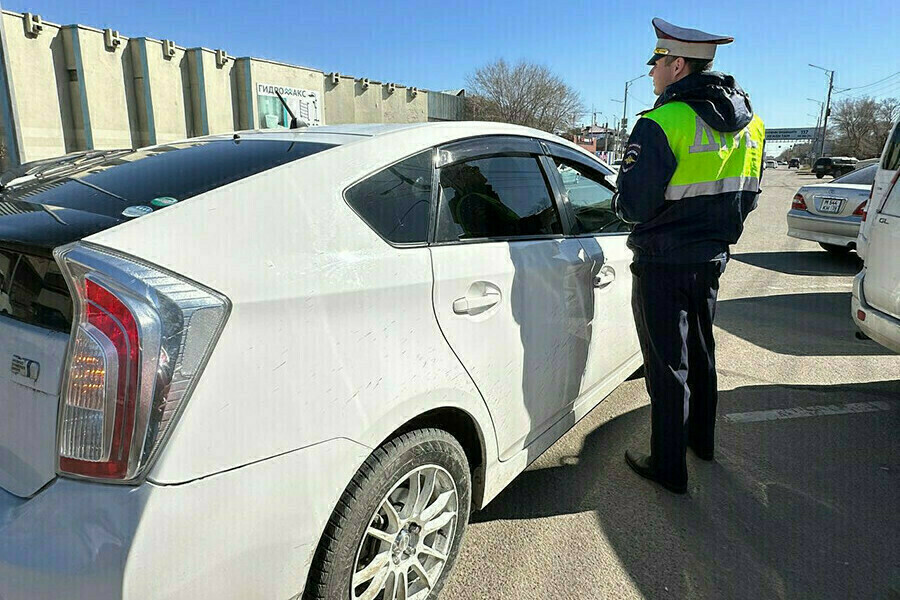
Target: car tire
x=820, y=175
x=834, y=248
x=376, y=502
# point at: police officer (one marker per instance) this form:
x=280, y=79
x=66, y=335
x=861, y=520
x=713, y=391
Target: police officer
x=689, y=177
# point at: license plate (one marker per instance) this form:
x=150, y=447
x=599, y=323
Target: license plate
x=831, y=205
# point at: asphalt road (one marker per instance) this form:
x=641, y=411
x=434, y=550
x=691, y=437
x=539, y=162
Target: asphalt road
x=799, y=504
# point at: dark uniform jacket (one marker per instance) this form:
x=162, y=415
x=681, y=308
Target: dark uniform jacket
x=694, y=229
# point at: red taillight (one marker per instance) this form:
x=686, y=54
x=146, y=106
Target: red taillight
x=860, y=315
x=114, y=331
x=139, y=343
x=861, y=210
x=799, y=203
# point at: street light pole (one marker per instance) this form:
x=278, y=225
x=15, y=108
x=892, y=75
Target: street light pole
x=827, y=105
x=618, y=127
x=625, y=107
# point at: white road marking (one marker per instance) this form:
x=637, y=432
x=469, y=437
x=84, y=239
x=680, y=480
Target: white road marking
x=807, y=411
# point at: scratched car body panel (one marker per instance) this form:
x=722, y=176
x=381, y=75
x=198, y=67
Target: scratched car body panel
x=339, y=332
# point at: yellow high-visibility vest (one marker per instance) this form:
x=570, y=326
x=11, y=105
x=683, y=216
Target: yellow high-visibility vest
x=709, y=161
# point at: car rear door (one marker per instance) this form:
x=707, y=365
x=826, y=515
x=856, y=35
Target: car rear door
x=587, y=198
x=511, y=292
x=882, y=280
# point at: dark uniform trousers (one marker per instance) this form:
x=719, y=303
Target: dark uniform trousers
x=674, y=307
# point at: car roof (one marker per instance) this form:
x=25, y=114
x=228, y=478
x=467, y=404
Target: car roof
x=436, y=132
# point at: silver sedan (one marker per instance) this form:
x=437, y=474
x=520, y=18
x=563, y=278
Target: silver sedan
x=830, y=213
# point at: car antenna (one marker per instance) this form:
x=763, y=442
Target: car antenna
x=295, y=122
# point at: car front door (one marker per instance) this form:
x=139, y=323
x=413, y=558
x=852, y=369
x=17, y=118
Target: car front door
x=512, y=294
x=587, y=198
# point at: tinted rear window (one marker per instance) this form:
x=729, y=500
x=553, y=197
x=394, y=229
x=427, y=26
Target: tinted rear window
x=396, y=202
x=32, y=290
x=177, y=171
x=864, y=176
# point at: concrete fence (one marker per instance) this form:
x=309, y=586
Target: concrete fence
x=69, y=88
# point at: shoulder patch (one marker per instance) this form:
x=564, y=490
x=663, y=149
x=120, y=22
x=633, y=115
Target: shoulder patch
x=632, y=154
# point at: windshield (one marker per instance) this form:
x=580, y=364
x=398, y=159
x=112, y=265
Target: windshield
x=864, y=176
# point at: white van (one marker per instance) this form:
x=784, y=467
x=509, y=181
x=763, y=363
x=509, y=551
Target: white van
x=890, y=163
x=876, y=289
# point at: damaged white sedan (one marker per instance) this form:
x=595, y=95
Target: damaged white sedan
x=288, y=364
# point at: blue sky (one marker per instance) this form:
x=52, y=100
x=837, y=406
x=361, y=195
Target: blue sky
x=594, y=46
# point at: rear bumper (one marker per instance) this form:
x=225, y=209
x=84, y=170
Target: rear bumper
x=247, y=533
x=879, y=326
x=828, y=230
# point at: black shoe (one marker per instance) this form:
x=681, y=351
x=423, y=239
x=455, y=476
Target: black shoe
x=707, y=455
x=640, y=464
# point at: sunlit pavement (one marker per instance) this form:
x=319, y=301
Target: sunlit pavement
x=802, y=501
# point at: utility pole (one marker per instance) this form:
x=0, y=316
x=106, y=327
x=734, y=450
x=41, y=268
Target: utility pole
x=812, y=148
x=827, y=105
x=606, y=139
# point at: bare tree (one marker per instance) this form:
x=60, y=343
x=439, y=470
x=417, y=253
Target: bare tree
x=889, y=111
x=523, y=94
x=863, y=124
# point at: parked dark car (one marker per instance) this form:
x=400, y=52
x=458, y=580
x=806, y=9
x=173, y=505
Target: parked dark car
x=834, y=166
x=794, y=163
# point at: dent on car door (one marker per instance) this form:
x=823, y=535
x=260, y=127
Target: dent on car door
x=511, y=293
x=587, y=197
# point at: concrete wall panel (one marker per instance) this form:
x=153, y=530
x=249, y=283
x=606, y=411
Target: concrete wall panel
x=417, y=107
x=340, y=105
x=394, y=104
x=368, y=103
x=107, y=88
x=39, y=80
x=162, y=92
x=212, y=90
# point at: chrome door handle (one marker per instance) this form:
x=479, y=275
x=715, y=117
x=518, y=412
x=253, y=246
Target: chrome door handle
x=473, y=305
x=607, y=276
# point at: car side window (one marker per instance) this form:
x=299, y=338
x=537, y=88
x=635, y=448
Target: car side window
x=496, y=197
x=590, y=199
x=891, y=160
x=892, y=204
x=396, y=201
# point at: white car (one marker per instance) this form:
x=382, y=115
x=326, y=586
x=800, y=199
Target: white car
x=831, y=213
x=876, y=289
x=770, y=163
x=291, y=362
x=889, y=165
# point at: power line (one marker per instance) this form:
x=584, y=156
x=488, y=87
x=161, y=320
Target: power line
x=881, y=91
x=859, y=87
x=639, y=99
x=878, y=89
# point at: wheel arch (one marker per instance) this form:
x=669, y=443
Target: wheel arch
x=464, y=427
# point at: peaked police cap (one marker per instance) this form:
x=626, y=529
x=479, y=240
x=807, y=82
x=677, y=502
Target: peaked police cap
x=687, y=43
